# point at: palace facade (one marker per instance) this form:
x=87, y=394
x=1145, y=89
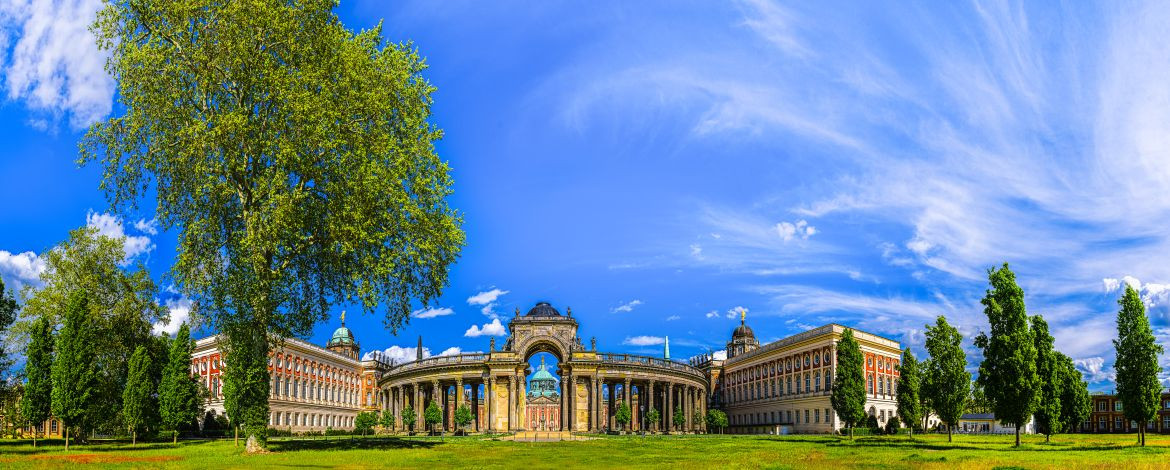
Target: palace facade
x=311, y=388
x=785, y=386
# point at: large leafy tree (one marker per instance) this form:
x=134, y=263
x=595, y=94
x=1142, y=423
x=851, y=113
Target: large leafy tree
x=36, y=403
x=8, y=309
x=1137, y=362
x=948, y=384
x=365, y=422
x=121, y=301
x=1008, y=371
x=909, y=390
x=294, y=158
x=74, y=369
x=848, y=395
x=1075, y=403
x=139, y=396
x=178, y=393
x=1048, y=402
x=715, y=418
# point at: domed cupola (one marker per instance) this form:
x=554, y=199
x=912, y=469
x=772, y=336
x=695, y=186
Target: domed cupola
x=543, y=309
x=343, y=340
x=543, y=384
x=743, y=339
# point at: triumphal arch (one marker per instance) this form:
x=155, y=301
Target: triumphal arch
x=493, y=384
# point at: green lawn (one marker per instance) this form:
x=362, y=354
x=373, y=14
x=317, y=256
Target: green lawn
x=969, y=452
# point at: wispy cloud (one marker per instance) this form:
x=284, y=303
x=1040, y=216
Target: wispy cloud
x=643, y=341
x=492, y=328
x=626, y=307
x=431, y=312
x=486, y=300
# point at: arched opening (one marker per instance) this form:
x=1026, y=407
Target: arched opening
x=543, y=410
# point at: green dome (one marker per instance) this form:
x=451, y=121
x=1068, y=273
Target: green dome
x=342, y=337
x=542, y=383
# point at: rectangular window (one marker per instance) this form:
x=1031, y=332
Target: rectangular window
x=827, y=415
x=805, y=416
x=53, y=426
x=816, y=416
x=1117, y=405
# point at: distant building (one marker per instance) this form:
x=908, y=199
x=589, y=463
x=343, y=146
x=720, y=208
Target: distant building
x=784, y=386
x=1107, y=416
x=985, y=423
x=543, y=410
x=311, y=388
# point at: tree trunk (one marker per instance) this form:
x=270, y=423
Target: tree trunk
x=175, y=437
x=912, y=432
x=237, y=438
x=1017, y=435
x=851, y=433
x=950, y=436
x=133, y=438
x=66, y=438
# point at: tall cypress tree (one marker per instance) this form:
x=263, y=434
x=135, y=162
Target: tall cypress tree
x=848, y=396
x=178, y=393
x=1137, y=362
x=1075, y=403
x=947, y=384
x=138, y=397
x=1048, y=408
x=37, y=402
x=74, y=375
x=909, y=390
x=1008, y=371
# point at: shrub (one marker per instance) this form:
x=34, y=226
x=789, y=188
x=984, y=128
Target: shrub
x=893, y=425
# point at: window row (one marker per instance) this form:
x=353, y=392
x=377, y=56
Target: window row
x=779, y=387
x=304, y=389
x=290, y=418
x=780, y=366
x=814, y=416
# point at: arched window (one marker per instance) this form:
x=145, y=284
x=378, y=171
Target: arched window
x=818, y=381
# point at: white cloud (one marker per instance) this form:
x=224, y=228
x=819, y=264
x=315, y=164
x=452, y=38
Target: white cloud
x=495, y=328
x=453, y=350
x=21, y=269
x=1094, y=369
x=734, y=312
x=149, y=227
x=712, y=314
x=397, y=354
x=696, y=250
x=431, y=312
x=487, y=301
x=626, y=307
x=673, y=318
x=111, y=226
x=55, y=66
x=719, y=355
x=1153, y=294
x=643, y=341
x=180, y=312
x=801, y=229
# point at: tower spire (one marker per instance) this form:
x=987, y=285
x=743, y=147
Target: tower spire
x=666, y=354
x=418, y=350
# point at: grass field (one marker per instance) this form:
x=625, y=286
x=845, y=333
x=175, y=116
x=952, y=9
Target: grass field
x=968, y=452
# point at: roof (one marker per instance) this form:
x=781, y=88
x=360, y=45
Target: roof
x=989, y=416
x=743, y=331
x=543, y=309
x=342, y=337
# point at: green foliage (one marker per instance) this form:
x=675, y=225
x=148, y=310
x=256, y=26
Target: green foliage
x=364, y=422
x=408, y=417
x=74, y=374
x=848, y=395
x=387, y=420
x=623, y=414
x=679, y=417
x=246, y=378
x=37, y=400
x=871, y=423
x=432, y=414
x=295, y=159
x=178, y=392
x=1008, y=371
x=893, y=425
x=462, y=416
x=653, y=416
x=716, y=419
x=978, y=403
x=947, y=383
x=1137, y=361
x=8, y=309
x=909, y=388
x=698, y=418
x=1048, y=400
x=1074, y=394
x=122, y=306
x=138, y=398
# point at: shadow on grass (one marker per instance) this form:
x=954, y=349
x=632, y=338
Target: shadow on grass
x=24, y=447
x=1005, y=446
x=351, y=444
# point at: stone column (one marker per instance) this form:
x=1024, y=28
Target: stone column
x=594, y=404
x=512, y=402
x=475, y=406
x=703, y=408
x=650, y=404
x=564, y=405
x=435, y=395
x=669, y=415
x=488, y=394
x=458, y=392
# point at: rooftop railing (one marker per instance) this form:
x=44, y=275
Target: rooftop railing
x=613, y=358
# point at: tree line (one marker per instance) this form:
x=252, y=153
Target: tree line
x=1022, y=376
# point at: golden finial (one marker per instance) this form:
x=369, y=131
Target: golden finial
x=742, y=315
x=343, y=318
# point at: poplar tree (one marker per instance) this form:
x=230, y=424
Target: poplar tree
x=8, y=310
x=36, y=404
x=947, y=384
x=74, y=376
x=848, y=395
x=1008, y=371
x=909, y=390
x=138, y=398
x=1075, y=402
x=1137, y=362
x=295, y=160
x=1048, y=406
x=178, y=393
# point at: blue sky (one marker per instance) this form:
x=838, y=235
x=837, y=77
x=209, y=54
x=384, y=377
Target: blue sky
x=655, y=166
